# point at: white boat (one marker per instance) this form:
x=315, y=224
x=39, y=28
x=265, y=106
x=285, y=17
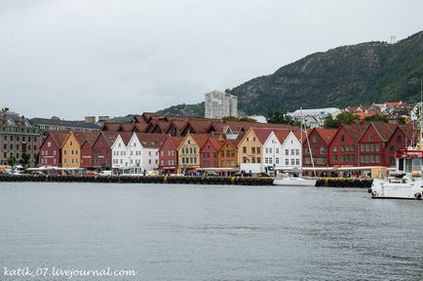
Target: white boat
x=284, y=179
x=407, y=181
x=398, y=186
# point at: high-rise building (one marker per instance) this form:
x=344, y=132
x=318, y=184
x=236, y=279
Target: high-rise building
x=220, y=104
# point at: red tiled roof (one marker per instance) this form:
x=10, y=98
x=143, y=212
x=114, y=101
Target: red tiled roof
x=140, y=127
x=110, y=137
x=151, y=140
x=326, y=134
x=127, y=127
x=126, y=137
x=408, y=132
x=111, y=126
x=83, y=137
x=200, y=139
x=385, y=130
x=356, y=130
x=58, y=137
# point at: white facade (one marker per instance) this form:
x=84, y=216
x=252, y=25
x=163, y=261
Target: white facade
x=119, y=154
x=314, y=117
x=151, y=159
x=286, y=155
x=134, y=150
x=134, y=158
x=220, y=104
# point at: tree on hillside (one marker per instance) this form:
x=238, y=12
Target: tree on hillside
x=233, y=118
x=345, y=117
x=377, y=117
x=278, y=117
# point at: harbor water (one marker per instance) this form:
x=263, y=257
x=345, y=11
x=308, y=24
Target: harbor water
x=190, y=232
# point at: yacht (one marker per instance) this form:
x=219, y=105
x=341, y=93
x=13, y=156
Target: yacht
x=285, y=179
x=399, y=185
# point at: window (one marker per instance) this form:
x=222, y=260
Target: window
x=297, y=151
x=253, y=150
x=258, y=160
x=286, y=151
x=244, y=149
x=286, y=162
x=258, y=150
x=297, y=161
x=342, y=138
x=292, y=162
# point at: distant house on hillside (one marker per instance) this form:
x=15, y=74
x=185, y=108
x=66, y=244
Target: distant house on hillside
x=314, y=117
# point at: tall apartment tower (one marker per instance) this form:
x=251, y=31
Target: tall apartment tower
x=220, y=104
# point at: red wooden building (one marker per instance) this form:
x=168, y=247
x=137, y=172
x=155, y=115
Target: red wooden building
x=87, y=154
x=373, y=144
x=209, y=153
x=51, y=149
x=168, y=154
x=102, y=149
x=319, y=140
x=343, y=149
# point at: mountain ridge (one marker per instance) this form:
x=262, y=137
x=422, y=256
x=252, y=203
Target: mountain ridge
x=345, y=75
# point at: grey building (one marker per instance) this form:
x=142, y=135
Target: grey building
x=19, y=139
x=56, y=124
x=220, y=104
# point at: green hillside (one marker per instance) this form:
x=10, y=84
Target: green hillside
x=348, y=75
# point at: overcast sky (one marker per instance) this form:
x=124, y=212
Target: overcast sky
x=73, y=58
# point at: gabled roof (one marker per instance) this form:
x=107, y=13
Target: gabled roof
x=88, y=137
x=356, y=130
x=200, y=139
x=140, y=127
x=408, y=132
x=111, y=127
x=282, y=135
x=178, y=125
x=262, y=134
x=385, y=130
x=58, y=137
x=110, y=137
x=126, y=137
x=326, y=134
x=127, y=127
x=214, y=142
x=151, y=140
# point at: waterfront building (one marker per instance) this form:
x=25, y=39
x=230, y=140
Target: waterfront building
x=56, y=124
x=71, y=151
x=228, y=153
x=317, y=147
x=168, y=154
x=250, y=150
x=120, y=159
x=379, y=143
x=343, y=149
x=51, y=149
x=19, y=139
x=209, y=152
x=102, y=150
x=87, y=149
x=189, y=152
x=220, y=104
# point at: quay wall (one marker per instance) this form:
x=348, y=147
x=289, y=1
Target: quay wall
x=261, y=181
